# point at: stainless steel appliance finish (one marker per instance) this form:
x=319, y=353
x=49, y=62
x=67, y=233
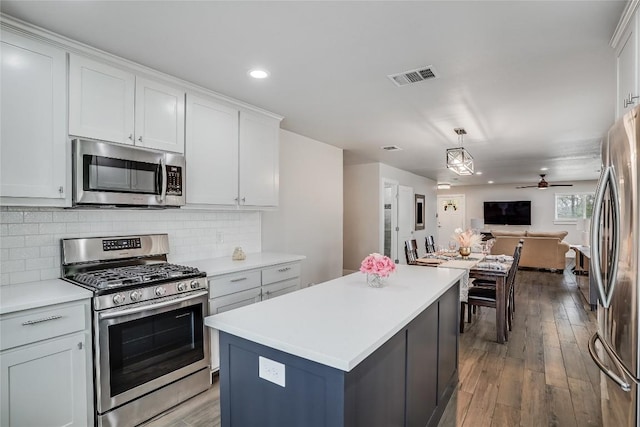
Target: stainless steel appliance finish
x=111, y=174
x=615, y=252
x=151, y=350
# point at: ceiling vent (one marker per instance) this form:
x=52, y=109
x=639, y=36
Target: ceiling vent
x=413, y=76
x=391, y=148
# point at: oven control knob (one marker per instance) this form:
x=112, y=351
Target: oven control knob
x=135, y=295
x=195, y=284
x=160, y=291
x=118, y=298
x=182, y=286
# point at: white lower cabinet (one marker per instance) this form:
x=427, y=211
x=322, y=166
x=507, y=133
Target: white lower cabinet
x=229, y=291
x=45, y=365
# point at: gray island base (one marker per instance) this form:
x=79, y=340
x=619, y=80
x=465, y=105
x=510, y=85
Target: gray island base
x=407, y=379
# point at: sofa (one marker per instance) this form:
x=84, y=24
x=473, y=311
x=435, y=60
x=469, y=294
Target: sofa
x=544, y=250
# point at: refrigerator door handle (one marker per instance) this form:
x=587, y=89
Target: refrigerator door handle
x=624, y=385
x=607, y=178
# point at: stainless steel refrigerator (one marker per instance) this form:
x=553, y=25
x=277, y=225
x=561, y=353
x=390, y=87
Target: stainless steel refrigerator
x=615, y=252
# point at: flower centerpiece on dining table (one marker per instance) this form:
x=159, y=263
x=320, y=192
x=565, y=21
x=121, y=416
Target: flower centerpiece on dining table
x=377, y=267
x=466, y=240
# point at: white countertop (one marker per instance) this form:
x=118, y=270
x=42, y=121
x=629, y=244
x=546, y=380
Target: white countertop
x=24, y=296
x=225, y=265
x=341, y=322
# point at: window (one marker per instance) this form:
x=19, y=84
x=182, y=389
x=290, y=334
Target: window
x=573, y=206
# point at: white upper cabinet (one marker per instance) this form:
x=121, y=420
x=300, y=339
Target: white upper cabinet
x=232, y=155
x=33, y=150
x=627, y=44
x=159, y=116
x=259, y=160
x=211, y=153
x=101, y=100
x=111, y=104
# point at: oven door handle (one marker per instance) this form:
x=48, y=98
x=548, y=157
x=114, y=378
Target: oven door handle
x=127, y=311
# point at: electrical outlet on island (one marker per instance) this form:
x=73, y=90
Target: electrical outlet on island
x=271, y=370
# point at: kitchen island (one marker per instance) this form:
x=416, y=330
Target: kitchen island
x=343, y=354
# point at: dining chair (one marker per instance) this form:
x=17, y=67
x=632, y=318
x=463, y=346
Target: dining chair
x=411, y=251
x=483, y=293
x=430, y=244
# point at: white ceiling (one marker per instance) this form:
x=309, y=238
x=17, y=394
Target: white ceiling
x=532, y=82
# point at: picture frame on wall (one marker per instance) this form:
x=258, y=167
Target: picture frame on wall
x=419, y=211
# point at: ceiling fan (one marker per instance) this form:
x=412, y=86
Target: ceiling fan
x=543, y=184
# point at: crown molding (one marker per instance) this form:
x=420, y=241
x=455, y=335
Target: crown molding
x=627, y=14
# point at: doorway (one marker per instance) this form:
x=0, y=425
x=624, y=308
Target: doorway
x=390, y=219
x=406, y=223
x=451, y=215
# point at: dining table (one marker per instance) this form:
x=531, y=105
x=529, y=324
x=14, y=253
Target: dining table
x=479, y=266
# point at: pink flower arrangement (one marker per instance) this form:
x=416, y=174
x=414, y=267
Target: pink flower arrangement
x=377, y=264
x=467, y=238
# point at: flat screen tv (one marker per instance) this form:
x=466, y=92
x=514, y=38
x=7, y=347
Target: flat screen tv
x=508, y=213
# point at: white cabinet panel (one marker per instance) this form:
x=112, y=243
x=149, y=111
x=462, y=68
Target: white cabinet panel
x=259, y=160
x=101, y=101
x=628, y=71
x=159, y=116
x=33, y=133
x=211, y=152
x=280, y=288
x=45, y=384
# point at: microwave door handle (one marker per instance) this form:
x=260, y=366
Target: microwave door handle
x=595, y=235
x=163, y=187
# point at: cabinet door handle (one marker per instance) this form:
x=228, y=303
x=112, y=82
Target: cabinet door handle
x=243, y=199
x=631, y=100
x=61, y=189
x=44, y=319
x=80, y=346
x=140, y=138
x=282, y=270
x=238, y=280
x=130, y=137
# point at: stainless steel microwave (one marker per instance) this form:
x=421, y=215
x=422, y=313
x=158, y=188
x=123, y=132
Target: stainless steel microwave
x=105, y=173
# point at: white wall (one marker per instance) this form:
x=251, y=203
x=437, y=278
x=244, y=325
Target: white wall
x=362, y=213
x=309, y=219
x=364, y=208
x=30, y=237
x=542, y=204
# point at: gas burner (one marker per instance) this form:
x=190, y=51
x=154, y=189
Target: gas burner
x=137, y=274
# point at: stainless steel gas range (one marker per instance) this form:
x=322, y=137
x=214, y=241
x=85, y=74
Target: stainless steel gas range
x=150, y=348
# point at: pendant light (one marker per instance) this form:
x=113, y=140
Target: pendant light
x=458, y=159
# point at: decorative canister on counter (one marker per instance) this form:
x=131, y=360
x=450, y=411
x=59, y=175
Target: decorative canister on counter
x=238, y=254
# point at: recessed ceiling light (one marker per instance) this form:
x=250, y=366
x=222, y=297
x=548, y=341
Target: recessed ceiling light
x=258, y=74
x=444, y=186
x=478, y=173
x=544, y=169
x=489, y=182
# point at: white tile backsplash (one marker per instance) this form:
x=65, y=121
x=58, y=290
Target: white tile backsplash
x=30, y=237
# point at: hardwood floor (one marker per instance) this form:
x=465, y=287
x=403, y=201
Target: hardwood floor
x=543, y=376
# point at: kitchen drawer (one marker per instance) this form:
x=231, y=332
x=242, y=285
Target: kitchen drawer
x=232, y=283
x=40, y=324
x=280, y=272
x=280, y=288
x=229, y=302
